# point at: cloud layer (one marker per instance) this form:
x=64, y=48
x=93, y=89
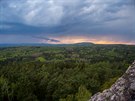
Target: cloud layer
x=55, y=18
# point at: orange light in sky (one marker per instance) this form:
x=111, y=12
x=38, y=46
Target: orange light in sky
x=79, y=39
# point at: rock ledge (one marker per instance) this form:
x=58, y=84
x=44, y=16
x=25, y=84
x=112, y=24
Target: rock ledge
x=122, y=90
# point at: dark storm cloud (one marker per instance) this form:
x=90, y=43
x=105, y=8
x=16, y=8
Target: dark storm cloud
x=46, y=39
x=72, y=17
x=20, y=28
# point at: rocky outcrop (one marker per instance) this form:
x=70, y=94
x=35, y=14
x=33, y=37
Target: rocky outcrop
x=122, y=90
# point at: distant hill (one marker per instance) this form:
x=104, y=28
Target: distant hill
x=84, y=44
x=24, y=44
x=45, y=44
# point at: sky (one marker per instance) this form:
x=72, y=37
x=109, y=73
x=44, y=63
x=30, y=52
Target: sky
x=67, y=21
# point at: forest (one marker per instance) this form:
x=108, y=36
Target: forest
x=61, y=73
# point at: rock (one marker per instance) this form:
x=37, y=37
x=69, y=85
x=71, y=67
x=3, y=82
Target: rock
x=122, y=90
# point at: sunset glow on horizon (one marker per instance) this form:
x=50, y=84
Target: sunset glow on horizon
x=81, y=39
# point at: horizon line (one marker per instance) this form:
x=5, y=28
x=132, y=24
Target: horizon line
x=70, y=43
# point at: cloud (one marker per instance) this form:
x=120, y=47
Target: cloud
x=54, y=12
x=5, y=26
x=46, y=39
x=32, y=12
x=13, y=38
x=72, y=17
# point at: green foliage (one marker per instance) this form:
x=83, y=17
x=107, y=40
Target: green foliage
x=67, y=73
x=41, y=59
x=68, y=98
x=6, y=89
x=83, y=94
x=108, y=84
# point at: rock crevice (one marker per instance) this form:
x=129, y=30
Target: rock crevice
x=122, y=90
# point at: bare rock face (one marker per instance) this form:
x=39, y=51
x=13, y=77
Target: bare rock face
x=122, y=90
